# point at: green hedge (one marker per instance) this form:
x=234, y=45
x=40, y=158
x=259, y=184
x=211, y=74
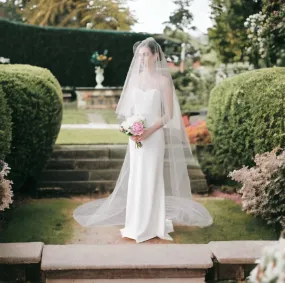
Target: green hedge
x=5, y=125
x=66, y=52
x=246, y=116
x=35, y=99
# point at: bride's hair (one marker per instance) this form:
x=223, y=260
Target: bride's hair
x=153, y=46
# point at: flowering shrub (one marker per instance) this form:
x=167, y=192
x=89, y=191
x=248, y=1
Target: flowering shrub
x=271, y=265
x=266, y=31
x=198, y=133
x=100, y=60
x=229, y=70
x=264, y=187
x=6, y=193
x=186, y=120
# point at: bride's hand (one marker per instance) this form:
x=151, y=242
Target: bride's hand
x=145, y=135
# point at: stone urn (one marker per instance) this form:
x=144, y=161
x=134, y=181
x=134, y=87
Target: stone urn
x=99, y=77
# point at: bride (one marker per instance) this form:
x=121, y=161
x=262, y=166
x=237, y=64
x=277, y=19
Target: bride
x=153, y=188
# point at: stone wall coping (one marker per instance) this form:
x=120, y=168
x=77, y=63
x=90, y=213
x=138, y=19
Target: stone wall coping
x=21, y=253
x=238, y=252
x=132, y=280
x=194, y=256
x=72, y=257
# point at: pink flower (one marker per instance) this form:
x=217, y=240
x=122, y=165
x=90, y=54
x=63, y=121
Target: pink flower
x=137, y=128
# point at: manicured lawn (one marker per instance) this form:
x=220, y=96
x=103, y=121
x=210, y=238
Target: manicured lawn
x=46, y=220
x=230, y=223
x=51, y=221
x=109, y=115
x=89, y=136
x=74, y=116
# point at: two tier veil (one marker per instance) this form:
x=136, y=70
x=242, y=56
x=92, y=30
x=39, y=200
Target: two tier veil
x=149, y=71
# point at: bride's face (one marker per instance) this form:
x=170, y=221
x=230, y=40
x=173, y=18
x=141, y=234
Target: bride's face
x=146, y=57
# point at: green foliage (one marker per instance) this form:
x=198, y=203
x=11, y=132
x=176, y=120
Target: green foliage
x=193, y=88
x=228, y=35
x=66, y=52
x=86, y=136
x=42, y=220
x=266, y=32
x=102, y=14
x=181, y=18
x=9, y=9
x=35, y=99
x=211, y=168
x=5, y=126
x=273, y=207
x=246, y=116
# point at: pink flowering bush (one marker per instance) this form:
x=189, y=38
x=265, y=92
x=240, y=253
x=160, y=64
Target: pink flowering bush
x=6, y=193
x=263, y=187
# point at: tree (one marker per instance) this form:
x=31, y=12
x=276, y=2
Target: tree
x=228, y=35
x=181, y=18
x=102, y=14
x=9, y=9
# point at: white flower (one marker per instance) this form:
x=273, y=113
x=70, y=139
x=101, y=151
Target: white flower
x=4, y=60
x=125, y=125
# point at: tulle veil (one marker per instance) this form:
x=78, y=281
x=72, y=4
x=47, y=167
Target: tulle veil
x=180, y=207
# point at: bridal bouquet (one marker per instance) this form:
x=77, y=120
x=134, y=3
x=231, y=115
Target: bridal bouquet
x=134, y=126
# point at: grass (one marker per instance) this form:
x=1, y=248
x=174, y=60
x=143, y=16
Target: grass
x=46, y=220
x=89, y=136
x=109, y=115
x=51, y=221
x=72, y=115
x=230, y=223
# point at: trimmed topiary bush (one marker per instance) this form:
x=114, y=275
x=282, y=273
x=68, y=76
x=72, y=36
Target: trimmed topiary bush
x=246, y=116
x=5, y=126
x=34, y=96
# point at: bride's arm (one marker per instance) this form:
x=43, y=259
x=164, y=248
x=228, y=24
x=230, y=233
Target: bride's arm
x=167, y=103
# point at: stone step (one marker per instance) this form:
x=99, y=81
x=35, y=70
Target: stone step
x=96, y=187
x=128, y=262
x=92, y=151
x=89, y=164
x=163, y=280
x=99, y=174
x=20, y=262
x=75, y=187
x=89, y=151
x=80, y=175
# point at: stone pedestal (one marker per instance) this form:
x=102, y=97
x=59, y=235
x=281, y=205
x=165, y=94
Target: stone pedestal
x=99, y=98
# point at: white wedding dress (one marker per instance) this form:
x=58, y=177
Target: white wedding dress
x=145, y=210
